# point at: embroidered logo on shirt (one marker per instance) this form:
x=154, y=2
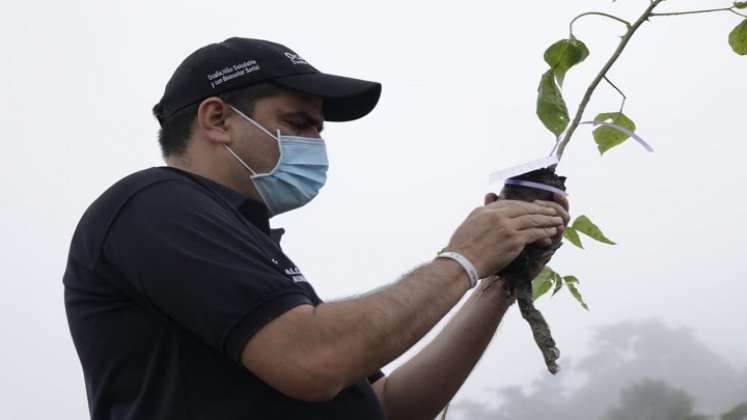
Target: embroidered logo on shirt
x=295, y=274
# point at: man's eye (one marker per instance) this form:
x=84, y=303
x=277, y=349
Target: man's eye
x=303, y=125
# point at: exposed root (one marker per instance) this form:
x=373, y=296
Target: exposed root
x=518, y=273
x=540, y=329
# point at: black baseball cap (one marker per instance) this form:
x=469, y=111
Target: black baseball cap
x=241, y=62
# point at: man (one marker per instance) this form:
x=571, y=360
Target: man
x=182, y=305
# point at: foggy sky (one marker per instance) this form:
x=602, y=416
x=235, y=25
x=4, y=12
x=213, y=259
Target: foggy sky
x=458, y=103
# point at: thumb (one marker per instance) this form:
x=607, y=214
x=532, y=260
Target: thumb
x=490, y=198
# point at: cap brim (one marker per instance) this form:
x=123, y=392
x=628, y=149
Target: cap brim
x=345, y=98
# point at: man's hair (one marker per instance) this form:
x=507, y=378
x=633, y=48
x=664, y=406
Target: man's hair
x=176, y=130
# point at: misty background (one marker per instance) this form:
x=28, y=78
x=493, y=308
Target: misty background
x=634, y=371
x=667, y=303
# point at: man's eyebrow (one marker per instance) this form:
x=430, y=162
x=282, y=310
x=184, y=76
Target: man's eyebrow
x=307, y=118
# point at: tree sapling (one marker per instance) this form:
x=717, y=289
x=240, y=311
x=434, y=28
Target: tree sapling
x=612, y=129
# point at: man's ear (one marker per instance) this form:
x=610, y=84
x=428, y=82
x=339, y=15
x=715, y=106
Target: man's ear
x=211, y=120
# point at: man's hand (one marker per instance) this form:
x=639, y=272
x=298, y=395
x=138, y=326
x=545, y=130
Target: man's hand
x=493, y=235
x=561, y=201
x=557, y=240
x=561, y=205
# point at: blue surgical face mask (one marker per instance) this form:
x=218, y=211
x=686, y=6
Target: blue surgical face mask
x=298, y=176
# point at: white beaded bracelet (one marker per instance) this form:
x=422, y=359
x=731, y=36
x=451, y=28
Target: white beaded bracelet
x=464, y=262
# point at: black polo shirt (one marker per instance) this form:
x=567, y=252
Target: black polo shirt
x=168, y=277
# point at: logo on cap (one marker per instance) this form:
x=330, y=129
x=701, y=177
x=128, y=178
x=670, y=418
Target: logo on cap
x=220, y=76
x=295, y=58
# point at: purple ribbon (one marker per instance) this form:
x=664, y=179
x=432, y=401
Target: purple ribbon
x=536, y=185
x=622, y=130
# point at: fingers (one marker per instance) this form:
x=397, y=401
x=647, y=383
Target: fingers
x=539, y=229
x=490, y=198
x=559, y=237
x=513, y=208
x=562, y=200
x=560, y=209
x=529, y=221
x=539, y=234
x=545, y=242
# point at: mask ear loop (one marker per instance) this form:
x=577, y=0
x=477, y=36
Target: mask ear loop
x=266, y=131
x=241, y=161
x=256, y=124
x=254, y=175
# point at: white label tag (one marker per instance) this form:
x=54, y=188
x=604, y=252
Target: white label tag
x=517, y=170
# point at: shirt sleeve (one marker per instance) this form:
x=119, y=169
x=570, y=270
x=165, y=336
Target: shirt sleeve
x=197, y=263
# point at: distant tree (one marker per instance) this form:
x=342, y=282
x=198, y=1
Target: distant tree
x=652, y=400
x=737, y=413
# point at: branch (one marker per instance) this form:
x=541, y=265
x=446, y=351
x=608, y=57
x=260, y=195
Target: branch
x=732, y=9
x=622, y=105
x=694, y=12
x=587, y=96
x=597, y=14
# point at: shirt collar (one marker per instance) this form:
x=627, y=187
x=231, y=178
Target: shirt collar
x=252, y=210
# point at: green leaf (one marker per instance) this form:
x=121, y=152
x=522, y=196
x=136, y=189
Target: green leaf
x=558, y=283
x=584, y=225
x=740, y=4
x=574, y=291
x=542, y=283
x=571, y=279
x=563, y=55
x=551, y=108
x=738, y=38
x=607, y=137
x=572, y=235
